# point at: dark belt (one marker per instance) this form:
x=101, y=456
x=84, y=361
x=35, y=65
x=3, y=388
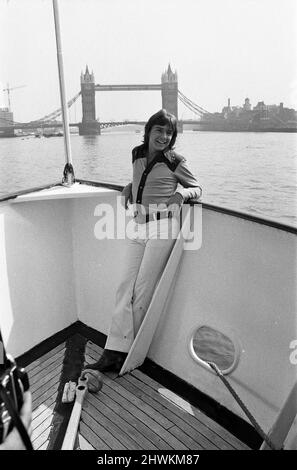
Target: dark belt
x=145, y=218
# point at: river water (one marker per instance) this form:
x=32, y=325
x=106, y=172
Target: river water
x=250, y=172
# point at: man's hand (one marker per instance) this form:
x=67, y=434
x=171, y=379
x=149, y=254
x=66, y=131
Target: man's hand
x=174, y=204
x=14, y=441
x=126, y=195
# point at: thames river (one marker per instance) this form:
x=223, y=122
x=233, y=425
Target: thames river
x=249, y=172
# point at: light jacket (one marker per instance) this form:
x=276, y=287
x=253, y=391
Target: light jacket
x=155, y=183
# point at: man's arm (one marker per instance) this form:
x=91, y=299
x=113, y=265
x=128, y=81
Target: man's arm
x=127, y=195
x=190, y=187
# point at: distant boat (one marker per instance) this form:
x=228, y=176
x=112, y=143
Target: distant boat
x=53, y=134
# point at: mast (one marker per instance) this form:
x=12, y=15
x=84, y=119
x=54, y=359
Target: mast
x=68, y=174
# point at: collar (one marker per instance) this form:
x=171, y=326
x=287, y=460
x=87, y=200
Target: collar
x=168, y=154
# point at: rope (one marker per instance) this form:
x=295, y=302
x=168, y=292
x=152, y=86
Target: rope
x=242, y=406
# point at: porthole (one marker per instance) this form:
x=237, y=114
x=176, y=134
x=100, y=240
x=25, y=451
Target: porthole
x=208, y=344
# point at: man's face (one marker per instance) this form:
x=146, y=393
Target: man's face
x=160, y=137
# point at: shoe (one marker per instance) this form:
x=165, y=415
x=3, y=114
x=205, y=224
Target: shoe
x=110, y=360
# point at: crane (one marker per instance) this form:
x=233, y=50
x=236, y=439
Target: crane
x=8, y=89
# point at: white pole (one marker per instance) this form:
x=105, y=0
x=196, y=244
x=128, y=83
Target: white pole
x=68, y=170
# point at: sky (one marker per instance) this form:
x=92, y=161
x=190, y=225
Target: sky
x=220, y=49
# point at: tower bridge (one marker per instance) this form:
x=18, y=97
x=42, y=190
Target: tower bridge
x=170, y=95
x=89, y=124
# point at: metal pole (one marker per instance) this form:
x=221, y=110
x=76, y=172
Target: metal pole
x=68, y=175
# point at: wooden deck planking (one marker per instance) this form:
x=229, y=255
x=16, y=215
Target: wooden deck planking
x=83, y=444
x=160, y=412
x=102, y=433
x=191, y=442
x=145, y=413
x=44, y=445
x=179, y=417
x=139, y=403
x=123, y=420
x=41, y=428
x=152, y=441
x=128, y=413
x=41, y=440
x=201, y=441
x=43, y=406
x=109, y=425
x=40, y=371
x=151, y=425
x=201, y=424
x=42, y=417
x=44, y=388
x=45, y=357
x=47, y=362
x=36, y=402
x=92, y=437
x=197, y=417
x=153, y=420
x=144, y=406
x=45, y=379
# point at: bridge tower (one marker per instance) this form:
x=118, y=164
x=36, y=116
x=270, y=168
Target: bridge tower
x=170, y=93
x=89, y=125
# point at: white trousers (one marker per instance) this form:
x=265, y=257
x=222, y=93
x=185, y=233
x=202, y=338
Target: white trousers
x=146, y=256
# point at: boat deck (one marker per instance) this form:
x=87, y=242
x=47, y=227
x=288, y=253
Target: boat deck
x=133, y=412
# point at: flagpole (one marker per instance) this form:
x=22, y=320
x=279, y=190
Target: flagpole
x=68, y=174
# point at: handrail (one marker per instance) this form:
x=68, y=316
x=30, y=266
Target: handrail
x=35, y=189
x=251, y=217
x=205, y=205
x=212, y=207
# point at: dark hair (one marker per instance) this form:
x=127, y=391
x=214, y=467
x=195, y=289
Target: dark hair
x=161, y=118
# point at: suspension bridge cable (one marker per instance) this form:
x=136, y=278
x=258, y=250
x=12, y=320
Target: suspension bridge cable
x=189, y=103
x=191, y=107
x=48, y=117
x=192, y=103
x=57, y=112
